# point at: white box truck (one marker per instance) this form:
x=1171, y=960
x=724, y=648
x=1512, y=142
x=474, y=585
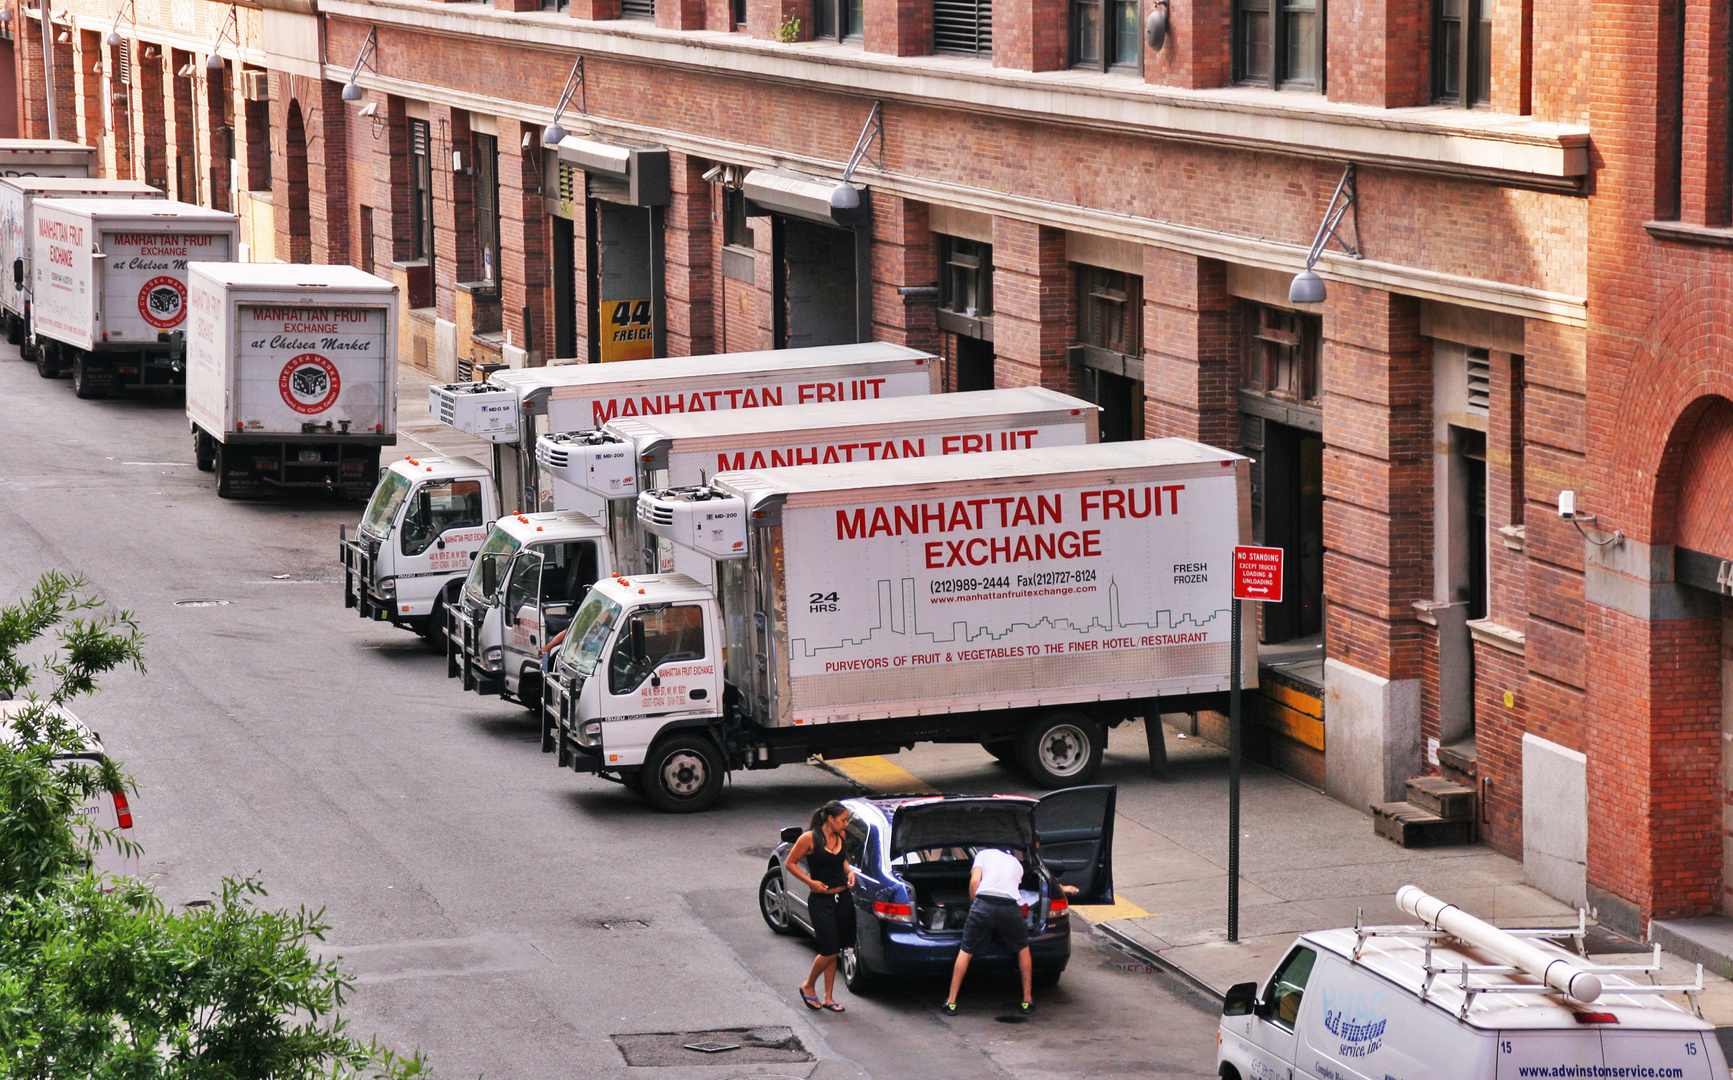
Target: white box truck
x=516, y=405
x=1025, y=600
x=46, y=157
x=291, y=375
x=1455, y=998
x=18, y=195
x=569, y=397
x=108, y=291
x=630, y=455
x=637, y=454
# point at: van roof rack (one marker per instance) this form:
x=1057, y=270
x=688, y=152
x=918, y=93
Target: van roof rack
x=1472, y=980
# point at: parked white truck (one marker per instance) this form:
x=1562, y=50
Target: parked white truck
x=1024, y=600
x=569, y=397
x=18, y=195
x=641, y=453
x=45, y=157
x=292, y=375
x=517, y=405
x=109, y=287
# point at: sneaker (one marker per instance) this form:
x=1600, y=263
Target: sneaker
x=949, y=1008
x=1026, y=1008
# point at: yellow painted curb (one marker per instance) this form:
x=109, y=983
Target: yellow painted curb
x=879, y=776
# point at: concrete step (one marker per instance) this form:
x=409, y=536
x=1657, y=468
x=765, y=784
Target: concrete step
x=1446, y=798
x=1414, y=827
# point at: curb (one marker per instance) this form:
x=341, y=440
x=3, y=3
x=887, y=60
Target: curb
x=1143, y=952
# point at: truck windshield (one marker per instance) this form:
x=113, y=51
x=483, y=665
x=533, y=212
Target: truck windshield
x=382, y=508
x=589, y=633
x=489, y=565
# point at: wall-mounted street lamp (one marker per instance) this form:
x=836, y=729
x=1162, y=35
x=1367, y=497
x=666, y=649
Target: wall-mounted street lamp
x=1155, y=27
x=553, y=133
x=352, y=90
x=847, y=196
x=124, y=11
x=1307, y=286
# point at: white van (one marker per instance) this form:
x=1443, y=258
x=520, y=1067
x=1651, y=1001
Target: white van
x=108, y=812
x=1424, y=1003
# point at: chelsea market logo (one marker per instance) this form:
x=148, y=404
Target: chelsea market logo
x=309, y=383
x=1357, y=1020
x=163, y=302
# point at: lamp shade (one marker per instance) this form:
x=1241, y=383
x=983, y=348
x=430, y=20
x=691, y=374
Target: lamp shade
x=113, y=39
x=1307, y=288
x=552, y=134
x=215, y=63
x=845, y=197
x=1155, y=28
x=352, y=92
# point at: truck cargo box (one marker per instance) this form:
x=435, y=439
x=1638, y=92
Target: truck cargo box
x=45, y=157
x=18, y=196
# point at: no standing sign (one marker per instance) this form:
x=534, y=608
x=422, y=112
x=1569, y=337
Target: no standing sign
x=1258, y=574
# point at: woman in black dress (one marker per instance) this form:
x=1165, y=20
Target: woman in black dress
x=831, y=905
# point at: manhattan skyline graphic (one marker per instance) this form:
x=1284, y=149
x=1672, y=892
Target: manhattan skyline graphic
x=903, y=627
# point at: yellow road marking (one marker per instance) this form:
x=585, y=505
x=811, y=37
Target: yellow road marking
x=1100, y=913
x=881, y=777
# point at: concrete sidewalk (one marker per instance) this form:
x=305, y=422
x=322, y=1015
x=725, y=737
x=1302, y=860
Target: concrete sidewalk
x=1307, y=861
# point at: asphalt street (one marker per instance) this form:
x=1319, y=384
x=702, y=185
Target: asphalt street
x=508, y=918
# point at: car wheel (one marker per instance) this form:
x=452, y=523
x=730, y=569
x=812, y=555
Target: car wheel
x=855, y=974
x=683, y=775
x=1060, y=749
x=1047, y=980
x=773, y=903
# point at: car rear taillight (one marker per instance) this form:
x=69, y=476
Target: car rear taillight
x=1058, y=908
x=122, y=812
x=901, y=913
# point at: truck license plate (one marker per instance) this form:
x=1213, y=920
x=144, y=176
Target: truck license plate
x=309, y=455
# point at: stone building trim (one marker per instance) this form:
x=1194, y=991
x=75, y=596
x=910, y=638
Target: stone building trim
x=1487, y=632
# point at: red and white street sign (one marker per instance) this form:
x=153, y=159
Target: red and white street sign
x=1258, y=574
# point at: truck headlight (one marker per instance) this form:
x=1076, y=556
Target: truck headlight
x=590, y=734
x=491, y=656
x=388, y=588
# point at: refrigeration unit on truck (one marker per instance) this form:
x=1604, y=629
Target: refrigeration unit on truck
x=417, y=536
x=292, y=375
x=18, y=195
x=516, y=405
x=629, y=455
x=1026, y=600
x=108, y=290
x=530, y=575
x=46, y=157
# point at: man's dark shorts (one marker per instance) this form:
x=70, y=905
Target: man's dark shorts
x=995, y=918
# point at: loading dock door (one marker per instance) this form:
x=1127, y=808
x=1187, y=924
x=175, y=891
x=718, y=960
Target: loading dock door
x=816, y=296
x=627, y=266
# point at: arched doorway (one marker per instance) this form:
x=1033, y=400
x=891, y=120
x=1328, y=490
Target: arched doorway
x=299, y=246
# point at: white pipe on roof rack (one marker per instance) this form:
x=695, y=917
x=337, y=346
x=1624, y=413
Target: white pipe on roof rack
x=1560, y=974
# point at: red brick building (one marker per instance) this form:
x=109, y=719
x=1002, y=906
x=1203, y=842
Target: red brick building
x=1541, y=203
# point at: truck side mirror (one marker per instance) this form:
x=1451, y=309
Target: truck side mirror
x=637, y=630
x=1241, y=999
x=17, y=273
x=489, y=577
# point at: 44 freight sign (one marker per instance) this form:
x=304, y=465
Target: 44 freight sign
x=1258, y=574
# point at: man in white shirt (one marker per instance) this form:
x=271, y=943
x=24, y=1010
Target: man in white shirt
x=995, y=912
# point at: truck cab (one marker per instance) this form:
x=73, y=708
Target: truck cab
x=412, y=550
x=635, y=687
x=527, y=580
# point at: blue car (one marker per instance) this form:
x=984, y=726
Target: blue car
x=912, y=857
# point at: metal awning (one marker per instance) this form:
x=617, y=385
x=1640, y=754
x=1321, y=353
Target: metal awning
x=643, y=168
x=780, y=191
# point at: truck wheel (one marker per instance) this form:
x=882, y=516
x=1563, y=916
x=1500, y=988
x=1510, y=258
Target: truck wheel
x=48, y=360
x=529, y=688
x=226, y=487
x=1060, y=749
x=682, y=775
x=204, y=451
x=86, y=383
x=773, y=902
x=434, y=631
x=14, y=330
x=857, y=976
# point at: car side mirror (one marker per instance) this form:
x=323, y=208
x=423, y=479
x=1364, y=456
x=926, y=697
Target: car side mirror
x=1241, y=999
x=791, y=834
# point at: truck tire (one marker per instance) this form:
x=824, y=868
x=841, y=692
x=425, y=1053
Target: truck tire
x=434, y=631
x=87, y=383
x=529, y=688
x=682, y=775
x=14, y=330
x=204, y=451
x=1060, y=749
x=227, y=487
x=47, y=359
x=772, y=902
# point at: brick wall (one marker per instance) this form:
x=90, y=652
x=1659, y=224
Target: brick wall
x=1190, y=349
x=1373, y=46
x=1032, y=301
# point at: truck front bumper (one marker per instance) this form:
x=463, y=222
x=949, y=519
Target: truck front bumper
x=358, y=577
x=464, y=660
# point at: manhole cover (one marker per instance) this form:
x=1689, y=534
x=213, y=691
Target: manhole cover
x=202, y=602
x=752, y=1046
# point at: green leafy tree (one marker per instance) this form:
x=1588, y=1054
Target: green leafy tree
x=98, y=978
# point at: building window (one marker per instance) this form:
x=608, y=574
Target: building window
x=736, y=226
x=1109, y=351
x=838, y=20
x=420, y=191
x=1279, y=43
x=1462, y=51
x=1281, y=354
x=966, y=277
x=1106, y=35
x=963, y=27
x=487, y=207
x=553, y=5
x=739, y=9
x=637, y=9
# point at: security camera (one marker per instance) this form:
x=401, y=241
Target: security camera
x=1567, y=505
x=371, y=109
x=712, y=173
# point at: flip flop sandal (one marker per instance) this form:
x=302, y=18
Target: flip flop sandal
x=810, y=1000
x=834, y=1006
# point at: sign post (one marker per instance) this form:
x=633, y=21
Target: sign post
x=1257, y=577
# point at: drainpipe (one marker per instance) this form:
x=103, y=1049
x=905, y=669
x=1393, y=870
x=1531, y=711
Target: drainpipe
x=48, y=68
